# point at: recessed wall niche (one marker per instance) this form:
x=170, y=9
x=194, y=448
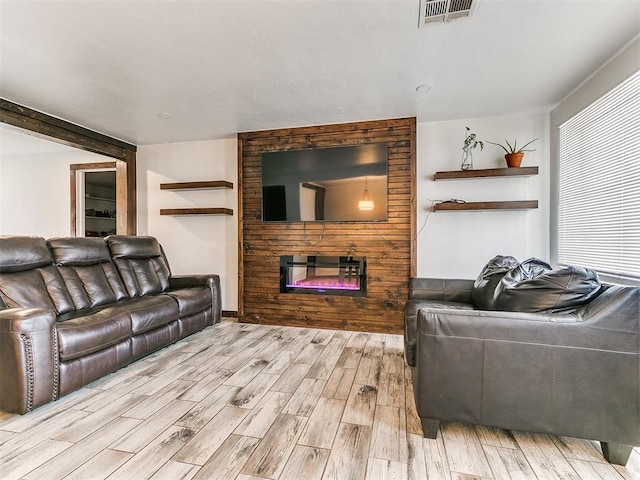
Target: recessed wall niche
x=387, y=245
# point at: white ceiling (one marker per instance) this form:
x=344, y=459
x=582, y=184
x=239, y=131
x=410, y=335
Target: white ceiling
x=221, y=67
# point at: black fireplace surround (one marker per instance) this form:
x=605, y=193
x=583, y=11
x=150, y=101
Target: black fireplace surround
x=323, y=275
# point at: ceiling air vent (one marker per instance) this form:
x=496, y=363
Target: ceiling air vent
x=438, y=11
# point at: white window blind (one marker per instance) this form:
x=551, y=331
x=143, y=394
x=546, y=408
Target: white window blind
x=599, y=189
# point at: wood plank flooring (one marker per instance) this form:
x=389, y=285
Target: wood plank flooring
x=248, y=402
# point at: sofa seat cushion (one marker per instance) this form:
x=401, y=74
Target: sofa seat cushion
x=411, y=321
x=150, y=312
x=87, y=331
x=191, y=300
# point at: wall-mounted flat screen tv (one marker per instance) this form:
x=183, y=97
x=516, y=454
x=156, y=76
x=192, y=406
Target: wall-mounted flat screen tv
x=326, y=184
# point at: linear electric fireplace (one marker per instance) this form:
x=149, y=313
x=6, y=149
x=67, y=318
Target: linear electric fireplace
x=323, y=275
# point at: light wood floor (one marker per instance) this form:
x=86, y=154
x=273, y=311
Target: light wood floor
x=250, y=402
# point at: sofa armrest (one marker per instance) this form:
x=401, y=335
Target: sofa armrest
x=451, y=290
x=411, y=309
x=29, y=359
x=211, y=281
x=186, y=281
x=616, y=308
x=528, y=371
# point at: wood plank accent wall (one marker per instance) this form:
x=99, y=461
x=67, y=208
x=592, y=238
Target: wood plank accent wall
x=389, y=246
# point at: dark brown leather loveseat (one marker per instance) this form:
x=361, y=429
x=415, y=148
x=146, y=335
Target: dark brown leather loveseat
x=571, y=371
x=75, y=309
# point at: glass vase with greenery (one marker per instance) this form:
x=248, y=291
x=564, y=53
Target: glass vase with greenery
x=470, y=142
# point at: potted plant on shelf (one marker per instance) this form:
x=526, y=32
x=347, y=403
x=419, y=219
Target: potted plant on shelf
x=470, y=142
x=513, y=153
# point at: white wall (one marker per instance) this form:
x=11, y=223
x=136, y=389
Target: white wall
x=35, y=187
x=193, y=244
x=458, y=244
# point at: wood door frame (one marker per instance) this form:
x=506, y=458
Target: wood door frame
x=51, y=128
x=121, y=179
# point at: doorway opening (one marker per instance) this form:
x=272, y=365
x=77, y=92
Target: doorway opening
x=95, y=205
x=99, y=219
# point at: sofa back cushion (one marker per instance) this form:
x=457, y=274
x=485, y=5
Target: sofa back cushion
x=141, y=263
x=28, y=278
x=18, y=253
x=485, y=285
x=545, y=290
x=88, y=272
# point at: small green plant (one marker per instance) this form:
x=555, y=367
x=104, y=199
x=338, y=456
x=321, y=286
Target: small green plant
x=471, y=141
x=514, y=148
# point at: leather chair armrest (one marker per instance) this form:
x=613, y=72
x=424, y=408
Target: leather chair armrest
x=186, y=281
x=452, y=290
x=411, y=309
x=529, y=371
x=29, y=359
x=212, y=281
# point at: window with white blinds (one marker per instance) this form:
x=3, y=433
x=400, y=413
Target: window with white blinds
x=599, y=184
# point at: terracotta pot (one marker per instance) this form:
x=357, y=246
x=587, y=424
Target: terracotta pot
x=514, y=159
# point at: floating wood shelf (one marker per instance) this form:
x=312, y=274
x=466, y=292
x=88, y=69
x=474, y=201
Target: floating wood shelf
x=487, y=172
x=196, y=185
x=512, y=205
x=196, y=211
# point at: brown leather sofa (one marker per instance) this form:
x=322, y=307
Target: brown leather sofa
x=75, y=309
x=573, y=372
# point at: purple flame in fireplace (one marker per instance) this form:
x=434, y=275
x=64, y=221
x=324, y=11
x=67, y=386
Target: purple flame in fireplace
x=330, y=283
